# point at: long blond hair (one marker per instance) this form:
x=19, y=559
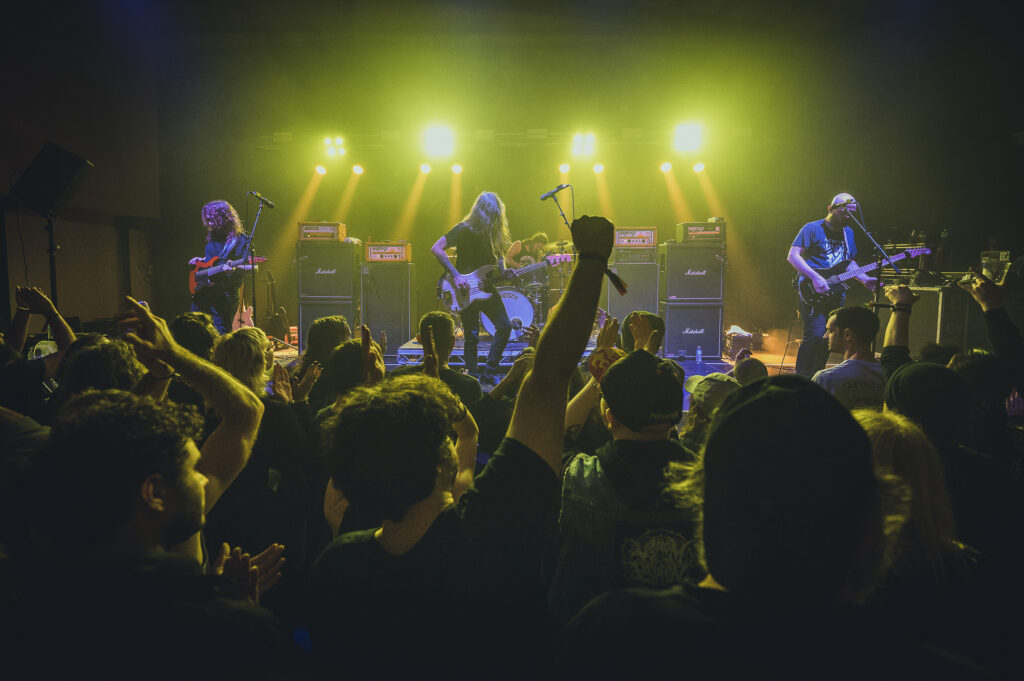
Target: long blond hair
x=487, y=216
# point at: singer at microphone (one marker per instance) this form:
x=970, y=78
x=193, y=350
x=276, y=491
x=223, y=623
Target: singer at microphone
x=553, y=192
x=220, y=293
x=262, y=199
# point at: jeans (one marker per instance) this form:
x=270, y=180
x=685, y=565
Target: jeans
x=494, y=308
x=813, y=353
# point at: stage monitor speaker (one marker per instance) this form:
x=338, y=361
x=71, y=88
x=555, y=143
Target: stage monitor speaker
x=942, y=315
x=642, y=281
x=328, y=269
x=688, y=325
x=311, y=310
x=691, y=272
x=51, y=179
x=386, y=301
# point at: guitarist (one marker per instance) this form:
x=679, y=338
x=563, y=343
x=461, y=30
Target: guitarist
x=818, y=246
x=482, y=238
x=225, y=240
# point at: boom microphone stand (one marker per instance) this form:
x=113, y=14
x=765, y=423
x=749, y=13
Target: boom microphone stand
x=882, y=257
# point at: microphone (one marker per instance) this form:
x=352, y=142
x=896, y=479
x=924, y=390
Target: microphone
x=553, y=192
x=262, y=199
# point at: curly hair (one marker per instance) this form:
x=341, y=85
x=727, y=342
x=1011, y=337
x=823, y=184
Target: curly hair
x=103, y=444
x=103, y=366
x=195, y=332
x=487, y=216
x=221, y=221
x=385, y=446
x=243, y=354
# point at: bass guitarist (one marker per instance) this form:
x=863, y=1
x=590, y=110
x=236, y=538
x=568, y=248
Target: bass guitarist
x=225, y=240
x=821, y=245
x=482, y=238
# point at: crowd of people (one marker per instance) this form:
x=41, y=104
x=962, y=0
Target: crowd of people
x=175, y=502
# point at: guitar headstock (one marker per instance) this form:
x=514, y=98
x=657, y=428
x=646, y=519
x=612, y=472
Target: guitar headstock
x=558, y=258
x=914, y=252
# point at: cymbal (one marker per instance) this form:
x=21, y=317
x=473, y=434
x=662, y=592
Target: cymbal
x=555, y=245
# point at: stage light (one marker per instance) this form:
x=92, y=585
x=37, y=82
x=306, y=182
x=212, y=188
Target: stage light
x=338, y=141
x=456, y=169
x=320, y=170
x=583, y=144
x=358, y=170
x=698, y=168
x=327, y=140
x=666, y=166
x=688, y=137
x=341, y=151
x=425, y=168
x=598, y=167
x=331, y=151
x=564, y=168
x=438, y=141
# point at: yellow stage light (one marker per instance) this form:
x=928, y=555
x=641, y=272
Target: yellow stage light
x=331, y=151
x=666, y=166
x=438, y=141
x=698, y=168
x=320, y=170
x=338, y=141
x=688, y=137
x=425, y=168
x=358, y=170
x=583, y=144
x=456, y=169
x=599, y=168
x=327, y=140
x=341, y=151
x=564, y=168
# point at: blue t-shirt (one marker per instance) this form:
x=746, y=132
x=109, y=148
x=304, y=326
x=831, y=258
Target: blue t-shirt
x=824, y=248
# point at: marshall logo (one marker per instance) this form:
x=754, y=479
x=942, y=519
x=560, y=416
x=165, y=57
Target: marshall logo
x=324, y=270
x=693, y=332
x=696, y=273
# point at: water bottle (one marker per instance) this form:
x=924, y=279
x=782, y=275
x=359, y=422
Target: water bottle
x=700, y=355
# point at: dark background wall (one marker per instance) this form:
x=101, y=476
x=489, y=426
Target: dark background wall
x=912, y=107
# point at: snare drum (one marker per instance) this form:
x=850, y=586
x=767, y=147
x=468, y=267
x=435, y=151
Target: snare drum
x=519, y=309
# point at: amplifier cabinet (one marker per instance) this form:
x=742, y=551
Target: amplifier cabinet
x=642, y=280
x=688, y=325
x=328, y=269
x=386, y=301
x=691, y=272
x=312, y=309
x=942, y=315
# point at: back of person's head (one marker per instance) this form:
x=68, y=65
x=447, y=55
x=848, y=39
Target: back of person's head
x=442, y=325
x=899, y=447
x=539, y=238
x=346, y=367
x=104, y=365
x=325, y=334
x=749, y=369
x=388, y=442
x=933, y=396
x=244, y=353
x=83, y=340
x=937, y=353
x=862, y=323
x=626, y=340
x=103, y=445
x=643, y=393
x=789, y=493
x=988, y=381
x=195, y=332
x=707, y=393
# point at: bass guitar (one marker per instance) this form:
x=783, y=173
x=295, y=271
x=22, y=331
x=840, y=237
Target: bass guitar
x=483, y=280
x=203, y=271
x=837, y=276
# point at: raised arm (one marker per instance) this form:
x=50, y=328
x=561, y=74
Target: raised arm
x=538, y=420
x=37, y=302
x=227, y=449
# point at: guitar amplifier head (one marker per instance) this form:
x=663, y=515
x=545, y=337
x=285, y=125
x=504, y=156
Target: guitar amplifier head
x=636, y=237
x=322, y=231
x=388, y=251
x=712, y=230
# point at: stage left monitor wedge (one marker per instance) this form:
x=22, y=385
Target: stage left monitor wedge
x=51, y=179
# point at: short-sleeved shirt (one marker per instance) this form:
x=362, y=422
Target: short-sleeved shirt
x=855, y=383
x=824, y=248
x=465, y=386
x=473, y=248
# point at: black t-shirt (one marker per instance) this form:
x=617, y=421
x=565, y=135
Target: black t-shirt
x=226, y=280
x=465, y=386
x=471, y=590
x=473, y=248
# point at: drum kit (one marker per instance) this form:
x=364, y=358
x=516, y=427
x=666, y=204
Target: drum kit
x=527, y=298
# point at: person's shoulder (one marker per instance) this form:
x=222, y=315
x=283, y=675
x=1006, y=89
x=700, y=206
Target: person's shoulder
x=406, y=370
x=579, y=464
x=342, y=549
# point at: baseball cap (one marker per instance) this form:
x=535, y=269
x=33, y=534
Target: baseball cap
x=642, y=390
x=708, y=392
x=749, y=370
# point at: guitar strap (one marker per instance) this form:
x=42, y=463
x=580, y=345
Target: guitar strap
x=229, y=246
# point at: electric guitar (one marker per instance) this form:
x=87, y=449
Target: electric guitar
x=837, y=276
x=483, y=281
x=204, y=270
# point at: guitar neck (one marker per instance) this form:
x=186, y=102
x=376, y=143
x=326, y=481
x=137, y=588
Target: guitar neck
x=530, y=268
x=861, y=270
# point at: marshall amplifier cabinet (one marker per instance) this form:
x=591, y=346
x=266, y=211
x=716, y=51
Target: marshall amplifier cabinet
x=690, y=272
x=634, y=254
x=327, y=269
x=388, y=251
x=636, y=237
x=322, y=231
x=689, y=325
x=690, y=232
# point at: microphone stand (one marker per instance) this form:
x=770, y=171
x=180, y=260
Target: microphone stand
x=882, y=257
x=248, y=252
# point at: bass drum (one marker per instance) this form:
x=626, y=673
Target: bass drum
x=519, y=309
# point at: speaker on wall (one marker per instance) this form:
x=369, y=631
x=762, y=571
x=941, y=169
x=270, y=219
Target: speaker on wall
x=688, y=325
x=51, y=179
x=691, y=272
x=942, y=315
x=386, y=301
x=327, y=269
x=642, y=280
x=311, y=310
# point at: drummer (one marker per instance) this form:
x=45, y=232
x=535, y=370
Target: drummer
x=526, y=252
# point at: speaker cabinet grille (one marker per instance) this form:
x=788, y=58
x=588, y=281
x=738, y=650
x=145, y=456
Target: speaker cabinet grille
x=642, y=280
x=311, y=310
x=942, y=315
x=688, y=325
x=327, y=269
x=690, y=272
x=387, y=301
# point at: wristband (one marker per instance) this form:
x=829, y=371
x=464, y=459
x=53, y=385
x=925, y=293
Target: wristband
x=901, y=308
